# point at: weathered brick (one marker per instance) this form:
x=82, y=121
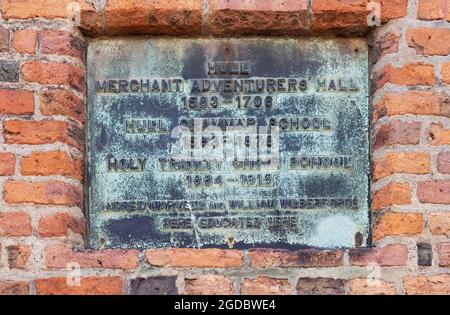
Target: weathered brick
x=410, y=75
x=25, y=41
x=397, y=132
x=434, y=10
x=54, y=73
x=429, y=41
x=445, y=72
x=55, y=42
x=434, y=192
x=410, y=162
x=7, y=164
x=62, y=102
x=16, y=102
x=15, y=224
x=195, y=258
x=88, y=286
x=439, y=135
x=209, y=285
x=361, y=286
x=443, y=162
x=443, y=250
x=393, y=9
x=262, y=258
x=387, y=44
x=43, y=132
x=46, y=9
x=52, y=163
x=4, y=39
x=412, y=102
x=18, y=256
x=424, y=254
x=9, y=71
x=59, y=224
x=10, y=287
x=169, y=17
x=258, y=17
x=59, y=256
x=389, y=255
x=320, y=286
x=160, y=285
x=439, y=223
x=393, y=194
x=263, y=285
x=427, y=285
x=52, y=192
x=395, y=223
x=340, y=17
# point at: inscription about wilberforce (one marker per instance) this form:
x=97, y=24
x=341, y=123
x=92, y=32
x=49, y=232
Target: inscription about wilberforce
x=229, y=143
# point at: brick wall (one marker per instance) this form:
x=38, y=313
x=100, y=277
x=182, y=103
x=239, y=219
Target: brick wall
x=42, y=116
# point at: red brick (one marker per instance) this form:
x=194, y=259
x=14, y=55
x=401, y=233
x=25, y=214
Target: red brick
x=427, y=285
x=233, y=17
x=340, y=16
x=439, y=135
x=320, y=286
x=25, y=41
x=439, y=223
x=434, y=10
x=59, y=224
x=409, y=162
x=88, y=286
x=47, y=9
x=386, y=45
x=16, y=102
x=61, y=43
x=52, y=163
x=434, y=192
x=263, y=285
x=209, y=285
x=43, y=132
x=397, y=132
x=394, y=224
x=63, y=102
x=412, y=102
x=54, y=73
x=7, y=164
x=389, y=255
x=18, y=256
x=393, y=194
x=195, y=258
x=10, y=287
x=4, y=39
x=410, y=75
x=429, y=41
x=443, y=162
x=51, y=192
x=443, y=250
x=170, y=17
x=302, y=258
x=361, y=286
x=59, y=256
x=445, y=72
x=393, y=9
x=15, y=224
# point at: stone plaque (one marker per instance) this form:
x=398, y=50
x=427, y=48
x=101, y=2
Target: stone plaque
x=228, y=143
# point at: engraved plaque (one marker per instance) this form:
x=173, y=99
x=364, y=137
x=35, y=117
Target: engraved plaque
x=228, y=143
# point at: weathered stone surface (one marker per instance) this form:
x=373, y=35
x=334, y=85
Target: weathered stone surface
x=154, y=286
x=4, y=39
x=424, y=254
x=320, y=286
x=9, y=71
